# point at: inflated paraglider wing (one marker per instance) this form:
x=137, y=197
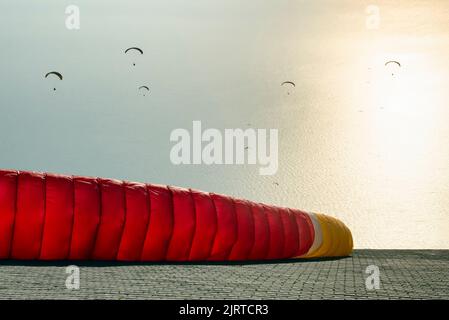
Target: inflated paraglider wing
x=55, y=217
x=288, y=82
x=134, y=48
x=392, y=62
x=54, y=73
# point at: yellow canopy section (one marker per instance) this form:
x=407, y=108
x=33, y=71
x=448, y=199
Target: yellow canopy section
x=336, y=238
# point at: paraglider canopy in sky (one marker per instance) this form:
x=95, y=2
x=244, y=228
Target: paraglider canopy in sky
x=55, y=73
x=393, y=62
x=134, y=48
x=288, y=82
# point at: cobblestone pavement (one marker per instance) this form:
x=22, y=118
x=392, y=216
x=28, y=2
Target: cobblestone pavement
x=416, y=274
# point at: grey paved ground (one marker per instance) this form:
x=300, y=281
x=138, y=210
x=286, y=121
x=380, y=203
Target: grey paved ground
x=403, y=274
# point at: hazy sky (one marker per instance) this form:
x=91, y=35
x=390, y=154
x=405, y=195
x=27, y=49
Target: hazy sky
x=354, y=142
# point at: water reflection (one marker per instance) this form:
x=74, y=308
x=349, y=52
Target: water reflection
x=355, y=141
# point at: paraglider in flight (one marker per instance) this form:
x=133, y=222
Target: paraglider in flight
x=392, y=63
x=134, y=49
x=57, y=74
x=288, y=83
x=144, y=88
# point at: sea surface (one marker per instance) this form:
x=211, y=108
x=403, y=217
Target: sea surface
x=358, y=140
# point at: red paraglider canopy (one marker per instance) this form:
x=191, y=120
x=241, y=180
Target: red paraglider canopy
x=56, y=217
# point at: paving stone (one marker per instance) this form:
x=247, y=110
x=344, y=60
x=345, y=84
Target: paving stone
x=404, y=274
